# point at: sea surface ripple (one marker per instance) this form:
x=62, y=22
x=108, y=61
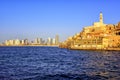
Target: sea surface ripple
x=52, y=63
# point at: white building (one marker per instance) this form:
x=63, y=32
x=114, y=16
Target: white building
x=22, y=42
x=49, y=41
x=53, y=41
x=37, y=41
x=9, y=42
x=17, y=42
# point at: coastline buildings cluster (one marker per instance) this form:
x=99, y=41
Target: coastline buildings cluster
x=36, y=42
x=98, y=36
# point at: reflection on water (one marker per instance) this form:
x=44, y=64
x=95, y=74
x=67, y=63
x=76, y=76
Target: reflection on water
x=51, y=63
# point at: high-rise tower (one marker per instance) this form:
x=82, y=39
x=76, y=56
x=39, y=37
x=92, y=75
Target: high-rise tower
x=57, y=39
x=101, y=17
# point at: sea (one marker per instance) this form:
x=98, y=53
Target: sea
x=53, y=63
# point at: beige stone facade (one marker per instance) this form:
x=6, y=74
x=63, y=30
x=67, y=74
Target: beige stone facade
x=97, y=36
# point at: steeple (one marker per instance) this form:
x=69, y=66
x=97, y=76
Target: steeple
x=101, y=17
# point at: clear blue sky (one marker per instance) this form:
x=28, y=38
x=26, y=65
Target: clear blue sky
x=46, y=18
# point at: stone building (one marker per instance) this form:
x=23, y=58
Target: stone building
x=97, y=36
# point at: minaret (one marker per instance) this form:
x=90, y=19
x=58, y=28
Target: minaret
x=101, y=17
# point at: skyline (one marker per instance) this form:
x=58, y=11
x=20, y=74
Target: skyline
x=36, y=42
x=45, y=18
x=54, y=39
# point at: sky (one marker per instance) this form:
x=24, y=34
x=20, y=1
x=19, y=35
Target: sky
x=21, y=19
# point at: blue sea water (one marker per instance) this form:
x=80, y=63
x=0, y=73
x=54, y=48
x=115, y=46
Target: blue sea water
x=52, y=63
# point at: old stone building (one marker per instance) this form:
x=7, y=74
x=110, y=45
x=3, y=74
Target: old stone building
x=97, y=36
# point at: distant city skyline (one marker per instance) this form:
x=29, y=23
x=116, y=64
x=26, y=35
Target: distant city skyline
x=20, y=19
x=36, y=42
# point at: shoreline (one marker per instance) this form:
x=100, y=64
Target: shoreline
x=105, y=49
x=30, y=46
x=92, y=49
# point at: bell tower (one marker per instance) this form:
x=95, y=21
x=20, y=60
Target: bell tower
x=101, y=17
